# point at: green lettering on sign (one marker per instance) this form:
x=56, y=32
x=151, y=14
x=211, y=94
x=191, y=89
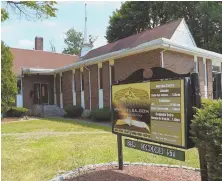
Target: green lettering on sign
x=155, y=149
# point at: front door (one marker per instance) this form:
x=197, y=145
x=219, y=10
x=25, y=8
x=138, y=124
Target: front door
x=41, y=93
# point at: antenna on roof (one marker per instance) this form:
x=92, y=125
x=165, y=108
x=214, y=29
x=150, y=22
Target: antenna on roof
x=85, y=28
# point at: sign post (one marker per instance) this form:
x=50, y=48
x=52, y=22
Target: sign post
x=158, y=110
x=120, y=151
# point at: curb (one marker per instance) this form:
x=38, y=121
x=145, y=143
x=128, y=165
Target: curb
x=84, y=169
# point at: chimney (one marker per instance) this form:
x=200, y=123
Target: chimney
x=38, y=43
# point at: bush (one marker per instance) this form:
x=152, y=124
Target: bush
x=16, y=112
x=103, y=114
x=86, y=114
x=206, y=130
x=73, y=111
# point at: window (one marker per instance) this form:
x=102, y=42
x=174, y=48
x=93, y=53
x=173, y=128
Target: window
x=100, y=78
x=19, y=86
x=82, y=79
x=112, y=75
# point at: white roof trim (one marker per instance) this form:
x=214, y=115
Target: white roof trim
x=37, y=71
x=188, y=30
x=158, y=43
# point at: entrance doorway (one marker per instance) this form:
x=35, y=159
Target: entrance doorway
x=41, y=93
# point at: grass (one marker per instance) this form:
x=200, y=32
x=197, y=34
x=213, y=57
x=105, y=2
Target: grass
x=40, y=157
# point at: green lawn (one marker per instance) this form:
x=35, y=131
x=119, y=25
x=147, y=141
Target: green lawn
x=39, y=157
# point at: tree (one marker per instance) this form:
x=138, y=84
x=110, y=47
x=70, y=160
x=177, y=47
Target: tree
x=8, y=82
x=31, y=10
x=203, y=18
x=74, y=41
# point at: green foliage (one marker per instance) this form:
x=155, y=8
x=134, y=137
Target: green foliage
x=86, y=114
x=74, y=41
x=73, y=111
x=31, y=10
x=203, y=18
x=103, y=114
x=206, y=129
x=8, y=82
x=16, y=112
x=4, y=15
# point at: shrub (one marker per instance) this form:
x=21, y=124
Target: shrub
x=16, y=112
x=206, y=130
x=86, y=114
x=103, y=114
x=73, y=111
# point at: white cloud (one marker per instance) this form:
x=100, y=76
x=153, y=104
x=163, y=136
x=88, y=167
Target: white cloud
x=100, y=42
x=26, y=44
x=48, y=23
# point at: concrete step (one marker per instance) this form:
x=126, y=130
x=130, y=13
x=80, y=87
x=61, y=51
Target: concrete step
x=47, y=110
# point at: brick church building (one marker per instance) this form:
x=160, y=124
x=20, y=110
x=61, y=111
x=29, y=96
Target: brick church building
x=58, y=79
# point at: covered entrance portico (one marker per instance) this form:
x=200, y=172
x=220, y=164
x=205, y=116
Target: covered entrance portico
x=38, y=87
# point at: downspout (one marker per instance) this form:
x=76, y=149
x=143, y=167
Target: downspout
x=161, y=57
x=89, y=86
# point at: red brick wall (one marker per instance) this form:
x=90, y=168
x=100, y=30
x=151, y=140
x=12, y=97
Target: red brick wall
x=78, y=87
x=209, y=79
x=178, y=62
x=201, y=74
x=28, y=86
x=106, y=84
x=67, y=88
x=86, y=88
x=58, y=89
x=127, y=65
x=94, y=83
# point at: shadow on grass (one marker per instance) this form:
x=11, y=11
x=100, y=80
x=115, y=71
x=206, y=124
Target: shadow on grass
x=105, y=126
x=108, y=175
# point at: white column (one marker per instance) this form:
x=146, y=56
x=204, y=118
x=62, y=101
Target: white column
x=205, y=77
x=100, y=90
x=73, y=88
x=61, y=96
x=196, y=64
x=82, y=91
x=19, y=96
x=55, y=100
x=111, y=63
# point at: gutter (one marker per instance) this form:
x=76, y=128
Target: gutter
x=162, y=43
x=114, y=55
x=89, y=86
x=158, y=43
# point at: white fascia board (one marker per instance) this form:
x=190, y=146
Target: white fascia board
x=158, y=43
x=114, y=55
x=38, y=71
x=191, y=50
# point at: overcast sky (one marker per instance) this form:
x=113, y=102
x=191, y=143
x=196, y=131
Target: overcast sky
x=20, y=33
